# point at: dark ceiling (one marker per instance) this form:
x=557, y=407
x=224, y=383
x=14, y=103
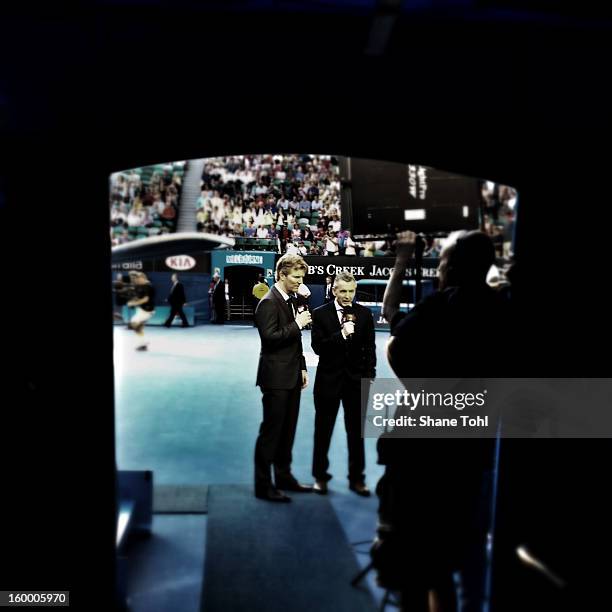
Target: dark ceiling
x=142, y=82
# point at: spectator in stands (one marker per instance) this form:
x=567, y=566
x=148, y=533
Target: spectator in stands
x=147, y=219
x=283, y=203
x=201, y=218
x=118, y=216
x=341, y=235
x=268, y=218
x=308, y=235
x=284, y=236
x=158, y=204
x=216, y=201
x=313, y=191
x=136, y=217
x=293, y=248
x=304, y=205
x=370, y=250
x=237, y=216
x=169, y=212
x=331, y=244
x=350, y=245
x=250, y=231
x=334, y=224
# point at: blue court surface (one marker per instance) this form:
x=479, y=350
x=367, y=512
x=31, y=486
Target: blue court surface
x=188, y=409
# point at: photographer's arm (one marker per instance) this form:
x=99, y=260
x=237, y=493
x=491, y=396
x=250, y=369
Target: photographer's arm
x=405, y=246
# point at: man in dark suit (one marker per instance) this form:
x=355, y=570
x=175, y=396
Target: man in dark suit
x=218, y=300
x=343, y=337
x=327, y=290
x=176, y=299
x=281, y=375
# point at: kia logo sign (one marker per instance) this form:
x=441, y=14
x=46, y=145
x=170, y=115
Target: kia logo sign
x=180, y=262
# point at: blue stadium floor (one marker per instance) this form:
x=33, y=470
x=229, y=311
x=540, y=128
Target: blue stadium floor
x=189, y=410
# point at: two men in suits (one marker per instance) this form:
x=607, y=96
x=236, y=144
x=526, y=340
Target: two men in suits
x=343, y=337
x=281, y=376
x=177, y=300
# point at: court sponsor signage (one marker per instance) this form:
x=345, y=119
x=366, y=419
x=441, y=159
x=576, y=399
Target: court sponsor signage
x=379, y=268
x=180, y=262
x=173, y=263
x=246, y=259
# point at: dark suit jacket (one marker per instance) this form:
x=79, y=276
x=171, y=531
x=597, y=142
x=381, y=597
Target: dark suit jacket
x=281, y=359
x=339, y=358
x=219, y=294
x=177, y=295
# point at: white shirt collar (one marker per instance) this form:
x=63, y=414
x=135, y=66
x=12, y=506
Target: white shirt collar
x=281, y=291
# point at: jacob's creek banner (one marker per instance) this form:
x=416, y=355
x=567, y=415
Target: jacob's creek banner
x=370, y=268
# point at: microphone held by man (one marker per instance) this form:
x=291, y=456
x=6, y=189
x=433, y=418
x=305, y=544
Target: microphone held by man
x=303, y=317
x=349, y=317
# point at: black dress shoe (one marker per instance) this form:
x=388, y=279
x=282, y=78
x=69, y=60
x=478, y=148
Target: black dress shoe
x=273, y=495
x=360, y=488
x=295, y=487
x=320, y=487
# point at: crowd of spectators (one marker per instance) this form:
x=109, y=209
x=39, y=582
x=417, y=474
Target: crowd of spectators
x=290, y=202
x=283, y=203
x=499, y=211
x=144, y=201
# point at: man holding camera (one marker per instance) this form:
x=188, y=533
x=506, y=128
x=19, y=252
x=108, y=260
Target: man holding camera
x=281, y=375
x=343, y=337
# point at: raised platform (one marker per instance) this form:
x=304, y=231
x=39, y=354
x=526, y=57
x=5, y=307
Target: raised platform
x=266, y=557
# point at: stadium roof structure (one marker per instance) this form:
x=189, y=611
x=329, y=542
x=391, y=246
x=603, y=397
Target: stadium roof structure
x=169, y=244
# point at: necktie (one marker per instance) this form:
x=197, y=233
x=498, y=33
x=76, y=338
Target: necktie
x=292, y=301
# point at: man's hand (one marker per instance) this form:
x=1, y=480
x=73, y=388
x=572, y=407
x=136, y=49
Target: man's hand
x=304, y=379
x=303, y=319
x=405, y=245
x=348, y=328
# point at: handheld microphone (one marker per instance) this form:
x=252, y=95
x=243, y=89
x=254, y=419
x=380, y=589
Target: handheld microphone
x=349, y=316
x=303, y=308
